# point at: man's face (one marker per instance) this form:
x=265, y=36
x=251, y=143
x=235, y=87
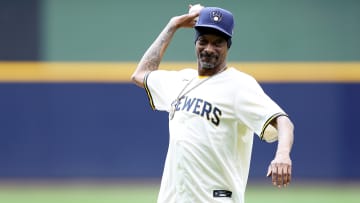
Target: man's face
x=211, y=51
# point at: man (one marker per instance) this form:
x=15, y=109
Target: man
x=213, y=115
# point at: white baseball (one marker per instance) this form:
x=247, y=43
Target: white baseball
x=195, y=8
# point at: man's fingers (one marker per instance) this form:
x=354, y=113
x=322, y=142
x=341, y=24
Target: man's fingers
x=285, y=176
x=268, y=172
x=289, y=175
x=274, y=174
x=280, y=174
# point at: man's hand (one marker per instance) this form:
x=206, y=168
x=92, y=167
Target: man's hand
x=280, y=170
x=185, y=21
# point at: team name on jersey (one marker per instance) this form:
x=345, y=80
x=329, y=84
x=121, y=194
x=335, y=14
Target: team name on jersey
x=200, y=107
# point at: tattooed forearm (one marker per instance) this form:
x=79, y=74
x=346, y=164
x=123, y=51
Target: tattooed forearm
x=153, y=56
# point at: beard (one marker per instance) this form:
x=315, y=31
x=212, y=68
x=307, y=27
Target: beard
x=208, y=61
x=206, y=65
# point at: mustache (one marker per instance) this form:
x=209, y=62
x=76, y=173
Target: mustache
x=208, y=55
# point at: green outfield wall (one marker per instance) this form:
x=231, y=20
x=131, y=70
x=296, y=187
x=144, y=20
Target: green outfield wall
x=265, y=30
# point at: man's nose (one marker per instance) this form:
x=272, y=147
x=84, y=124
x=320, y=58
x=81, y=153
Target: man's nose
x=209, y=48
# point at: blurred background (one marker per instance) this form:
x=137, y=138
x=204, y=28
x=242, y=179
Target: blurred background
x=68, y=111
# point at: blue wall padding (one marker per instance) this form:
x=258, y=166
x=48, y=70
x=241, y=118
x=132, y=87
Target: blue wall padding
x=109, y=130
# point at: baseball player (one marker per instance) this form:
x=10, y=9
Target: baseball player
x=214, y=112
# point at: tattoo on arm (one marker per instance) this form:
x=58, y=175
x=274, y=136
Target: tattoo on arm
x=152, y=57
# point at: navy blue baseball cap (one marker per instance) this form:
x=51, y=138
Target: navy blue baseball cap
x=216, y=21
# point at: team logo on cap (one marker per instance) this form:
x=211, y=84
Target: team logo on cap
x=216, y=16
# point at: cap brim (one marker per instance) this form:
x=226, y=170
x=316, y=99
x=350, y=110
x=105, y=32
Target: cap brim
x=212, y=27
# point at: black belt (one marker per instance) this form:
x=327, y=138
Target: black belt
x=222, y=193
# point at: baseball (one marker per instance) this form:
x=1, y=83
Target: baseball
x=195, y=8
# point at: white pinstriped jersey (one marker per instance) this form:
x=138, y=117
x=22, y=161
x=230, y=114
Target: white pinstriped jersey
x=211, y=133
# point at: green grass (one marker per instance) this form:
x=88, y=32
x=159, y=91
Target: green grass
x=305, y=193
x=143, y=193
x=78, y=193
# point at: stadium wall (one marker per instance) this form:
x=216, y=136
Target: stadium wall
x=89, y=126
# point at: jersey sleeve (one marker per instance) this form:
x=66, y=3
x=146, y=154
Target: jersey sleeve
x=157, y=86
x=256, y=109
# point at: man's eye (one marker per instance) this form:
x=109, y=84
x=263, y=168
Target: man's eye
x=219, y=43
x=202, y=42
